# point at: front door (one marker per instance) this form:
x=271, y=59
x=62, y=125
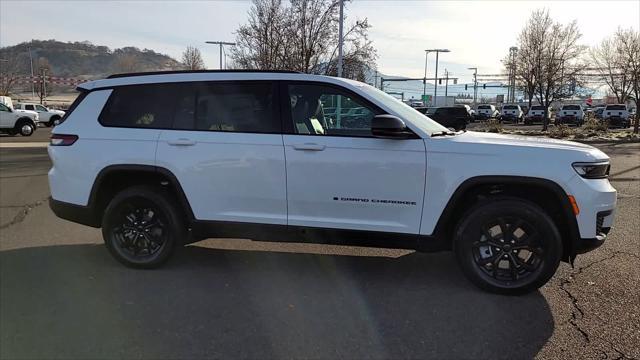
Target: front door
x=338, y=175
x=6, y=117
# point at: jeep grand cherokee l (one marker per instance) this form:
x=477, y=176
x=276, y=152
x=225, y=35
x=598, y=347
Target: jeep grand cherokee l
x=159, y=160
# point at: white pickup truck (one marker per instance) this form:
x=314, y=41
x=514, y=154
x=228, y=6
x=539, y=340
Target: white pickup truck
x=617, y=115
x=13, y=121
x=49, y=117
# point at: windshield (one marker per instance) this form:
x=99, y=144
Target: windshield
x=404, y=111
x=616, y=107
x=571, y=107
x=484, y=107
x=510, y=107
x=537, y=107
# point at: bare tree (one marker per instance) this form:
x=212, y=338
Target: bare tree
x=628, y=46
x=302, y=36
x=11, y=68
x=127, y=63
x=528, y=56
x=192, y=59
x=608, y=60
x=555, y=55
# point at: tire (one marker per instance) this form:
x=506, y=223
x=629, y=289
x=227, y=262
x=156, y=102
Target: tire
x=141, y=227
x=25, y=127
x=53, y=121
x=502, y=259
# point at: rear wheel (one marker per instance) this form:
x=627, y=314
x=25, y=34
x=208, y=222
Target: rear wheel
x=55, y=120
x=141, y=227
x=508, y=246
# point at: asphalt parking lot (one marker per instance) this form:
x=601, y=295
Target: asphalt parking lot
x=63, y=296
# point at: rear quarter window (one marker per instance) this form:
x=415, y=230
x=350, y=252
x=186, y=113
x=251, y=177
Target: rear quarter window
x=139, y=106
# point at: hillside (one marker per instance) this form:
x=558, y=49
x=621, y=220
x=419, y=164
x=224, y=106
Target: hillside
x=82, y=59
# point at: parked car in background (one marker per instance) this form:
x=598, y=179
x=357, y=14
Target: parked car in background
x=536, y=115
x=617, y=115
x=8, y=102
x=15, y=122
x=455, y=117
x=49, y=117
x=597, y=112
x=486, y=111
x=511, y=113
x=571, y=115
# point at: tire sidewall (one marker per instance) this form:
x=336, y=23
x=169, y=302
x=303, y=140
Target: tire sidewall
x=157, y=197
x=468, y=231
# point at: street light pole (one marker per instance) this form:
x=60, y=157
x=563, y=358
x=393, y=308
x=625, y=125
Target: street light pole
x=340, y=40
x=435, y=92
x=221, y=43
x=424, y=87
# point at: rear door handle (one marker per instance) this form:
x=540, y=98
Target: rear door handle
x=181, y=142
x=309, y=147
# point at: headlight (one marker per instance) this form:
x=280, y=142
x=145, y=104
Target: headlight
x=595, y=170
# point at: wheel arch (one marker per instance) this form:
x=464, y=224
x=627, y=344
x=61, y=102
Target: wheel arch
x=544, y=192
x=115, y=178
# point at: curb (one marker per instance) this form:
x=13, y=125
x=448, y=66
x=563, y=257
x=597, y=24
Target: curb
x=18, y=145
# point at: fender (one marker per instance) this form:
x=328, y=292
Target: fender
x=570, y=237
x=150, y=169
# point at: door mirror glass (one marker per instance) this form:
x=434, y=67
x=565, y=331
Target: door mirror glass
x=389, y=126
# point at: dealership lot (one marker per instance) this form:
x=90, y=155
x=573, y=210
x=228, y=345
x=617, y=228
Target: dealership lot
x=61, y=293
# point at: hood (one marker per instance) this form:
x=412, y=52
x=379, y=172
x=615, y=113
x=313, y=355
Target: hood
x=59, y=112
x=526, y=144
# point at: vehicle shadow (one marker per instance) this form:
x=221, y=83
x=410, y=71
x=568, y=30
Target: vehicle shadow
x=75, y=301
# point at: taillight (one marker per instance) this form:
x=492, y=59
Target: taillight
x=62, y=140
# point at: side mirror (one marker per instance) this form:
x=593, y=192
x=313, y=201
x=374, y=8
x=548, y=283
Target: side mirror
x=390, y=127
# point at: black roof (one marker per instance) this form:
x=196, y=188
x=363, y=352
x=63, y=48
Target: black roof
x=199, y=72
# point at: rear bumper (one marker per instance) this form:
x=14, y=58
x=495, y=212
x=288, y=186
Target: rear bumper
x=76, y=213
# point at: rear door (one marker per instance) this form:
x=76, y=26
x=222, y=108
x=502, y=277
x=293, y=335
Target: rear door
x=225, y=148
x=338, y=175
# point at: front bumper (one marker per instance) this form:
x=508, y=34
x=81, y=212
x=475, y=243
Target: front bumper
x=586, y=245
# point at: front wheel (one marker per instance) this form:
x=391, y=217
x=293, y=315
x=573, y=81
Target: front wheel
x=141, y=227
x=508, y=246
x=25, y=128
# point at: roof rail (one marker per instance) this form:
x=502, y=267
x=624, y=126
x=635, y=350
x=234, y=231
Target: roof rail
x=199, y=72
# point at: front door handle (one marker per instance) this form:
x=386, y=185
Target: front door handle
x=309, y=147
x=181, y=142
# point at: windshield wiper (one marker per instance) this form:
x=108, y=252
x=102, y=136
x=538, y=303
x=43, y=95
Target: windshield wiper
x=442, y=133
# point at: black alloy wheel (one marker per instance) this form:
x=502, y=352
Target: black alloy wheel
x=141, y=227
x=508, y=245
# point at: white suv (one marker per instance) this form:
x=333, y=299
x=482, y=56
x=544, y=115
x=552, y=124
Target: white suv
x=49, y=117
x=173, y=158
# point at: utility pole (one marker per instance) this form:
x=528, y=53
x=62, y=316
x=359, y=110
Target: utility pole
x=424, y=87
x=221, y=43
x=475, y=83
x=33, y=85
x=435, y=92
x=513, y=51
x=340, y=39
x=446, y=85
x=43, y=84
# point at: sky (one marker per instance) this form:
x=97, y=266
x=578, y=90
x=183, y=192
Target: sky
x=478, y=33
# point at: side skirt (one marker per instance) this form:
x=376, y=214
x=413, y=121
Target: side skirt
x=201, y=230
